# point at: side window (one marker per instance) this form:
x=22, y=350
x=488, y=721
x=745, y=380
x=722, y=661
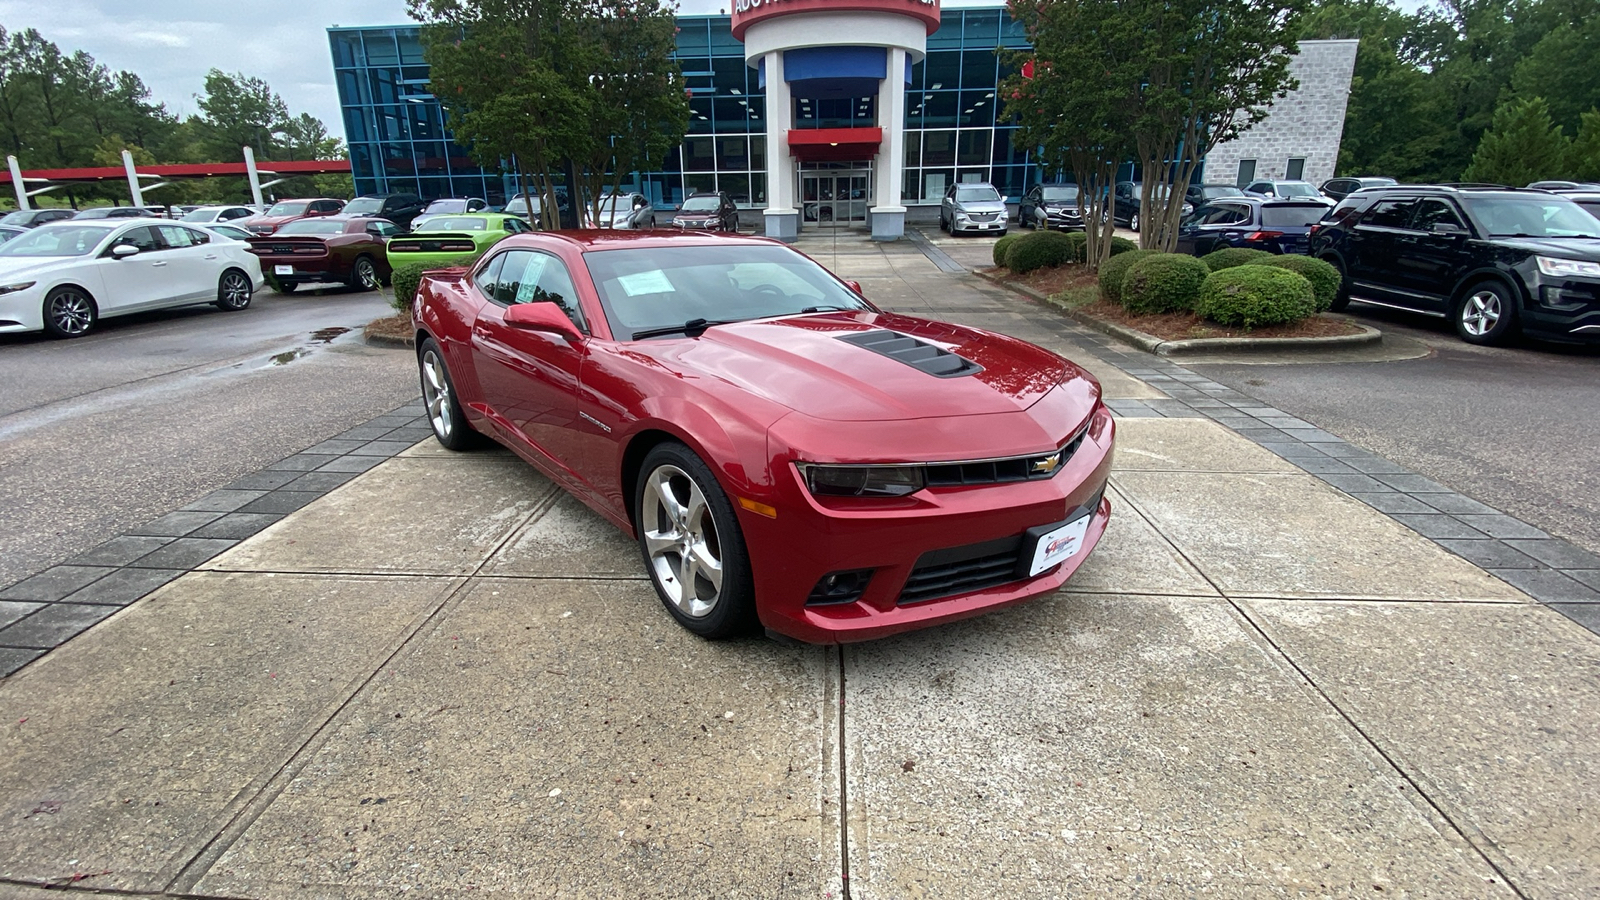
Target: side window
x=488, y=277
x=173, y=236
x=531, y=277
x=382, y=229
x=1229, y=215
x=144, y=237
x=1390, y=213
x=1436, y=212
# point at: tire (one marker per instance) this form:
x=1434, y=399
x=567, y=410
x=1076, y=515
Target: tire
x=942, y=225
x=69, y=312
x=364, y=274
x=1003, y=231
x=1342, y=298
x=282, y=288
x=439, y=400
x=1487, y=314
x=1133, y=222
x=233, y=291
x=686, y=526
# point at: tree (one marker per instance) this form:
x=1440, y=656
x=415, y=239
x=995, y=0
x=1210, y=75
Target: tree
x=1583, y=157
x=1212, y=68
x=1521, y=146
x=241, y=111
x=1563, y=69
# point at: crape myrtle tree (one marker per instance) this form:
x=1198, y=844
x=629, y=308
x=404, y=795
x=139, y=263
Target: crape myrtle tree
x=1072, y=97
x=557, y=83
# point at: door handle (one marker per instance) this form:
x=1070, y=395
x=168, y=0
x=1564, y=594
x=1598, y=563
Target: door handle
x=157, y=265
x=211, y=256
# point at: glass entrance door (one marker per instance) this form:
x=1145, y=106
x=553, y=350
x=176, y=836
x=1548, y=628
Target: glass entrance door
x=834, y=199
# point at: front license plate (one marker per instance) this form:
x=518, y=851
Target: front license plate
x=283, y=270
x=1059, y=545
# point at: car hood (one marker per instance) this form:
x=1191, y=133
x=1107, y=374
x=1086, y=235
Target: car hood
x=1565, y=248
x=981, y=206
x=13, y=267
x=801, y=363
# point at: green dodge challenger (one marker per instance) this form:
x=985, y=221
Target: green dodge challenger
x=441, y=241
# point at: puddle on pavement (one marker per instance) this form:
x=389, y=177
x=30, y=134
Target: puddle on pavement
x=289, y=356
x=326, y=335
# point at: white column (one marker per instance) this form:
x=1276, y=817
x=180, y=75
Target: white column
x=18, y=183
x=133, y=179
x=255, y=177
x=782, y=216
x=888, y=213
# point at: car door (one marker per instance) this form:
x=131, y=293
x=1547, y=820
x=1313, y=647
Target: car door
x=1124, y=205
x=194, y=266
x=530, y=379
x=1372, y=247
x=1433, y=253
x=1026, y=206
x=139, y=281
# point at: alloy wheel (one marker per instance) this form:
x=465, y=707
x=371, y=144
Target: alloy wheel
x=1481, y=313
x=235, y=291
x=680, y=539
x=71, y=312
x=436, y=393
x=367, y=274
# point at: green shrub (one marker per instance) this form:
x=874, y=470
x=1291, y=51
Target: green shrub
x=1121, y=245
x=1039, y=250
x=1228, y=257
x=1002, y=246
x=1163, y=283
x=405, y=280
x=1115, y=269
x=1078, y=240
x=1323, y=276
x=1252, y=296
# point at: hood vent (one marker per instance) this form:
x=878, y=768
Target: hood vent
x=919, y=355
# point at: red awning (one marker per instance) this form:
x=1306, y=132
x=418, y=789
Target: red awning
x=188, y=170
x=834, y=144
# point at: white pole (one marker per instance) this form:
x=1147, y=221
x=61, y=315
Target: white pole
x=133, y=179
x=18, y=183
x=255, y=178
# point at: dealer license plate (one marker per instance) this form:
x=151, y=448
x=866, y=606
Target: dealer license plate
x=283, y=270
x=1059, y=545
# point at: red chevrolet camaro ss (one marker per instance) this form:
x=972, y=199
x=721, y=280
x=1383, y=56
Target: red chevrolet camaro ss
x=783, y=451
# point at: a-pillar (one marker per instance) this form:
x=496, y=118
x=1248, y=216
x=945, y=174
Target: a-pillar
x=782, y=214
x=889, y=215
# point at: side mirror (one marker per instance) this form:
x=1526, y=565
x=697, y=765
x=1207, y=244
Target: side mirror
x=640, y=203
x=1004, y=199
x=1449, y=229
x=123, y=251
x=543, y=316
x=855, y=286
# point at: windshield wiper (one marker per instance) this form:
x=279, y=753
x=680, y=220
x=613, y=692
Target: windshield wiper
x=825, y=306
x=691, y=328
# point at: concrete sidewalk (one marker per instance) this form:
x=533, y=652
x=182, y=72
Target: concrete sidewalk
x=444, y=675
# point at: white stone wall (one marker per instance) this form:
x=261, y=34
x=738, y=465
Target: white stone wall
x=1308, y=123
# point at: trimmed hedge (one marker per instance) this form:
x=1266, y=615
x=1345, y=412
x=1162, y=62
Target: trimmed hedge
x=1163, y=283
x=1039, y=250
x=1121, y=245
x=1228, y=257
x=1251, y=296
x=1003, y=246
x=1079, y=242
x=1115, y=269
x=1323, y=276
x=405, y=280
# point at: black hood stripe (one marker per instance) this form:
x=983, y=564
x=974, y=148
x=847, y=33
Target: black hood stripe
x=919, y=355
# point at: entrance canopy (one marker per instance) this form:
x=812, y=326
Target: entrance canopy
x=834, y=144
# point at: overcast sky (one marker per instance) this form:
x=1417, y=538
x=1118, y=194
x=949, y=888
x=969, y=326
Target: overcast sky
x=171, y=44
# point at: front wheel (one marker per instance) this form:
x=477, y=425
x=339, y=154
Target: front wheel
x=69, y=312
x=1133, y=222
x=439, y=398
x=1342, y=298
x=1487, y=314
x=692, y=545
x=233, y=291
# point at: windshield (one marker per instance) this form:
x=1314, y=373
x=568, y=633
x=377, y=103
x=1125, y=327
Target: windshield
x=7, y=234
x=201, y=215
x=977, y=193
x=57, y=240
x=287, y=209
x=1592, y=207
x=312, y=226
x=1056, y=194
x=702, y=204
x=1531, y=217
x=1214, y=191
x=456, y=223
x=444, y=206
x=1291, y=189
x=666, y=286
x=364, y=206
x=20, y=217
x=229, y=231
x=1299, y=215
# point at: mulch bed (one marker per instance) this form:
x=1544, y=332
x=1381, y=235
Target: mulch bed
x=397, y=327
x=1188, y=326
x=1050, y=281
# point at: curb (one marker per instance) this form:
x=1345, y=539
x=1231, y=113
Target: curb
x=378, y=340
x=1152, y=344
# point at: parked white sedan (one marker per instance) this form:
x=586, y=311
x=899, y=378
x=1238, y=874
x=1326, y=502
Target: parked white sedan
x=64, y=277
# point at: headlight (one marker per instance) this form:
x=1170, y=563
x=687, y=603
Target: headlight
x=862, y=481
x=1549, y=265
x=19, y=286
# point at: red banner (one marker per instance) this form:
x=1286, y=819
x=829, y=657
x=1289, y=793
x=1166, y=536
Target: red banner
x=749, y=12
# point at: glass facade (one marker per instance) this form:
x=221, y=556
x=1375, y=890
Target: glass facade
x=398, y=141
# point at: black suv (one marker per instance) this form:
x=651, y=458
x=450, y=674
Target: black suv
x=1493, y=260
x=707, y=212
x=397, y=208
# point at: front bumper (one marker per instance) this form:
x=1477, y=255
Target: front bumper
x=1564, y=309
x=958, y=225
x=808, y=540
x=22, y=311
x=1064, y=221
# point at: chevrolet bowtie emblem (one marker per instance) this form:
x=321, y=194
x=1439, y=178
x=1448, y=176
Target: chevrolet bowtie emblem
x=1047, y=464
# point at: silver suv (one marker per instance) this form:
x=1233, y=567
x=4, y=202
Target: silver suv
x=974, y=206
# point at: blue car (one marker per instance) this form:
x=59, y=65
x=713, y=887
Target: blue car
x=1276, y=226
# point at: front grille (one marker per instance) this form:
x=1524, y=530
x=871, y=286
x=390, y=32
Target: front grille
x=982, y=217
x=959, y=570
x=1001, y=471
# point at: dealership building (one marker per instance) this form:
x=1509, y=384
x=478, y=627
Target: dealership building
x=817, y=113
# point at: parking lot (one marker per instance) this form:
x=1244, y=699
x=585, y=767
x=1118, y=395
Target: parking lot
x=1261, y=684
